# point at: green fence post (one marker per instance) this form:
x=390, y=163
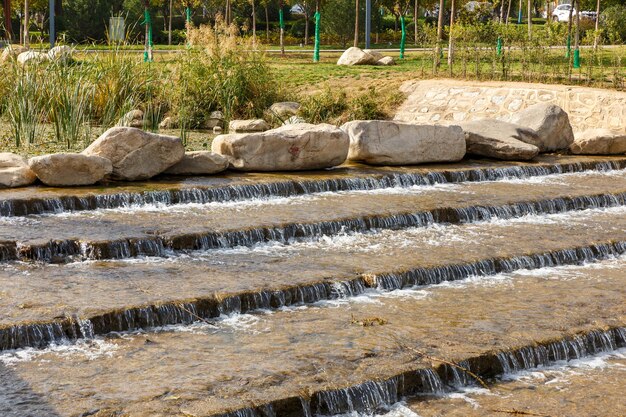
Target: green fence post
x=316, y=50
x=403, y=38
x=499, y=46
x=576, y=58
x=147, y=55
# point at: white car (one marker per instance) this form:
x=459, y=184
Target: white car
x=561, y=13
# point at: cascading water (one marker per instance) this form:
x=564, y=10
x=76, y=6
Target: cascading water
x=23, y=207
x=67, y=250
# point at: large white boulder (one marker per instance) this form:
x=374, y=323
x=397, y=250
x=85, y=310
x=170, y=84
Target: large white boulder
x=288, y=148
x=60, y=53
x=551, y=124
x=386, y=60
x=135, y=154
x=199, y=163
x=32, y=57
x=245, y=126
x=374, y=53
x=12, y=52
x=500, y=140
x=70, y=169
x=14, y=171
x=599, y=142
x=356, y=56
x=381, y=142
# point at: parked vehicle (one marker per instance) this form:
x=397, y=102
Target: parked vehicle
x=562, y=11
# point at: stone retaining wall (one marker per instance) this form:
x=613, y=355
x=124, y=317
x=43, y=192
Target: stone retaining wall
x=450, y=101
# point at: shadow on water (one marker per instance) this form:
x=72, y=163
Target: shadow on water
x=18, y=399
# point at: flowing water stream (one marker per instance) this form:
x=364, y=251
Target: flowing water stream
x=365, y=291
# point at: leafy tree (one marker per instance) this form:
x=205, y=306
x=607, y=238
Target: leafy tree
x=337, y=15
x=613, y=20
x=86, y=20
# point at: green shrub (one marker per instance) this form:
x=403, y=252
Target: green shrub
x=222, y=71
x=367, y=106
x=325, y=107
x=613, y=20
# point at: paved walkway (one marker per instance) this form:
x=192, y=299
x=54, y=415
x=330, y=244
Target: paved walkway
x=449, y=101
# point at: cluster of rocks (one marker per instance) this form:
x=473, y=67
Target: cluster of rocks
x=24, y=55
x=130, y=154
x=279, y=113
x=358, y=56
x=120, y=154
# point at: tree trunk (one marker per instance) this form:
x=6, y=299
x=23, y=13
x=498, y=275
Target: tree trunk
x=253, y=23
x=530, y=20
x=267, y=24
x=451, y=40
x=7, y=20
x=306, y=29
x=508, y=12
x=169, y=27
x=439, y=36
x=569, y=23
x=415, y=17
x=356, y=25
x=595, y=38
x=26, y=22
x=501, y=11
x=577, y=36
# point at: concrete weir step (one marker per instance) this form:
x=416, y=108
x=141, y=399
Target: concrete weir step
x=233, y=186
x=592, y=386
x=57, y=303
x=357, y=354
x=114, y=234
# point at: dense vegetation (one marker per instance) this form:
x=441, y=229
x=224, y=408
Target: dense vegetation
x=82, y=21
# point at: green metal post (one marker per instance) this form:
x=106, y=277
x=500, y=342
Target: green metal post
x=281, y=21
x=316, y=50
x=147, y=55
x=499, y=46
x=576, y=58
x=403, y=38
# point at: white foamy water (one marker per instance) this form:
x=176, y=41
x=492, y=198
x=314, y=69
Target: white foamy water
x=201, y=209
x=433, y=235
x=558, y=179
x=90, y=349
x=398, y=409
x=560, y=371
x=373, y=241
